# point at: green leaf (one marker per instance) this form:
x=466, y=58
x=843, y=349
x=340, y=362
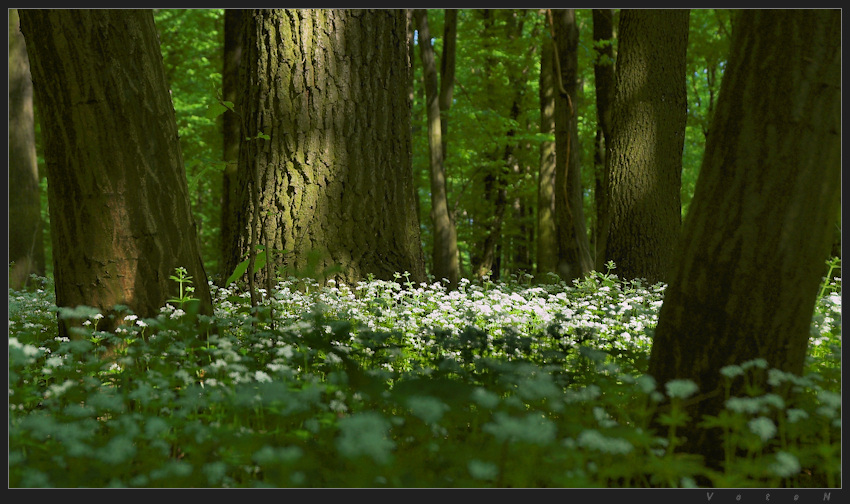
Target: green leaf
x=241, y=268
x=216, y=109
x=259, y=261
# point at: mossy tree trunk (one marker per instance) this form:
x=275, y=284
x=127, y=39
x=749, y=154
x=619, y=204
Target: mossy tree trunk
x=644, y=161
x=26, y=240
x=326, y=132
x=119, y=205
x=760, y=224
x=446, y=260
x=574, y=260
x=547, y=237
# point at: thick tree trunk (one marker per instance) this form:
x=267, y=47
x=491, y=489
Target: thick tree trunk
x=446, y=262
x=119, y=203
x=547, y=231
x=230, y=127
x=26, y=240
x=644, y=165
x=574, y=260
x=603, y=72
x=760, y=224
x=327, y=114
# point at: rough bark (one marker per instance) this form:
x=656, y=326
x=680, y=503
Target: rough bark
x=574, y=260
x=644, y=162
x=761, y=220
x=547, y=238
x=26, y=241
x=230, y=127
x=446, y=261
x=603, y=73
x=119, y=203
x=329, y=88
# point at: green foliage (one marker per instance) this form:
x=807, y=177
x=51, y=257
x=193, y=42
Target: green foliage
x=708, y=48
x=491, y=70
x=191, y=42
x=394, y=384
x=241, y=268
x=184, y=283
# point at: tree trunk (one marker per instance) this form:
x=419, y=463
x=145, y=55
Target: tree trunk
x=574, y=260
x=644, y=164
x=547, y=231
x=230, y=127
x=445, y=259
x=488, y=223
x=119, y=204
x=26, y=240
x=447, y=74
x=603, y=72
x=411, y=91
x=327, y=134
x=760, y=223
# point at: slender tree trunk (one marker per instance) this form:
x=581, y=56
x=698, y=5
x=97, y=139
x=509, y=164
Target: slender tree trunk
x=411, y=93
x=603, y=71
x=119, y=203
x=445, y=259
x=447, y=74
x=327, y=135
x=523, y=239
x=230, y=127
x=644, y=164
x=521, y=262
x=500, y=165
x=488, y=224
x=574, y=260
x=760, y=224
x=547, y=231
x=26, y=239
x=411, y=52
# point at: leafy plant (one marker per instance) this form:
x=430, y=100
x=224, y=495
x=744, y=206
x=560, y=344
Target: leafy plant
x=381, y=384
x=184, y=282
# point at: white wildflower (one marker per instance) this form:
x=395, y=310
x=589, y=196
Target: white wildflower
x=681, y=388
x=763, y=427
x=786, y=465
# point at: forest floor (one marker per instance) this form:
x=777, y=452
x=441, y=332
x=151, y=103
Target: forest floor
x=395, y=384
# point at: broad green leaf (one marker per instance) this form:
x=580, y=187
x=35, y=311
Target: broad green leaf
x=241, y=268
x=215, y=110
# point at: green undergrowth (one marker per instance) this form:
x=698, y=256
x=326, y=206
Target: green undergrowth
x=395, y=384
